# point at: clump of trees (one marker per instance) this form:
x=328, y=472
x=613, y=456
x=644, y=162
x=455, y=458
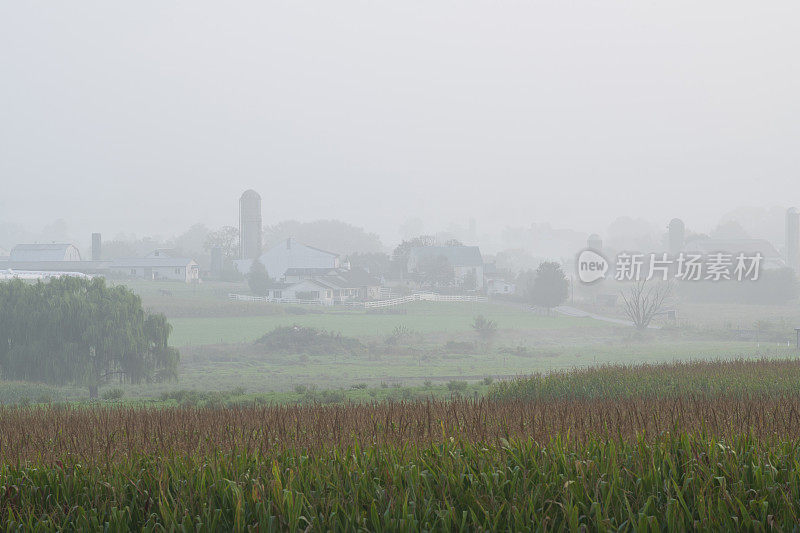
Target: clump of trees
x=307, y=340
x=549, y=286
x=81, y=332
x=258, y=278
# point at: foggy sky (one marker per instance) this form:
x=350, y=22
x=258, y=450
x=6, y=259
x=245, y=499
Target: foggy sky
x=150, y=116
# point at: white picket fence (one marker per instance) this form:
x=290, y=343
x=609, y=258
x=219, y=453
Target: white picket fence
x=423, y=297
x=248, y=298
x=376, y=304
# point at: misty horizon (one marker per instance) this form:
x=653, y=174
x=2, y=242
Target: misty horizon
x=125, y=123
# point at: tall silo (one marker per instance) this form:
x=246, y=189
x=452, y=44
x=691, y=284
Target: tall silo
x=793, y=238
x=250, y=225
x=594, y=242
x=97, y=247
x=677, y=236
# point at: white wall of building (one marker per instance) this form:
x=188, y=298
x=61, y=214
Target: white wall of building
x=309, y=290
x=292, y=254
x=186, y=274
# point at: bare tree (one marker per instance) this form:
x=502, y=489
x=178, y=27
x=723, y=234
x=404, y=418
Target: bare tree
x=643, y=302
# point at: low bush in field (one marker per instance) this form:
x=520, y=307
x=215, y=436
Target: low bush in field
x=113, y=394
x=307, y=340
x=459, y=347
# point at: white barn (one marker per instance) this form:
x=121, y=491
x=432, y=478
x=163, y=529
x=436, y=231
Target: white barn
x=35, y=253
x=291, y=254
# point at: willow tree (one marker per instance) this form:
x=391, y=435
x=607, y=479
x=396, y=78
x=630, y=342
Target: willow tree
x=81, y=332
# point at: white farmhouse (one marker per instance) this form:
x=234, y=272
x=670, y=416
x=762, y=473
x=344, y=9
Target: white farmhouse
x=310, y=290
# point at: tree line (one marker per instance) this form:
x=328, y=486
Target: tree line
x=81, y=332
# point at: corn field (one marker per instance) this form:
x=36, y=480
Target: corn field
x=715, y=459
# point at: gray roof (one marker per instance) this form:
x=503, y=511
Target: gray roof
x=288, y=243
x=457, y=255
x=278, y=285
x=152, y=262
x=296, y=271
x=349, y=279
x=42, y=252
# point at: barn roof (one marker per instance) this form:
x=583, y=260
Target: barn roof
x=349, y=279
x=42, y=252
x=152, y=262
x=295, y=271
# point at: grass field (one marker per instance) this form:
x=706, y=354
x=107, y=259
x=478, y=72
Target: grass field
x=260, y=374
x=423, y=317
x=638, y=448
x=215, y=337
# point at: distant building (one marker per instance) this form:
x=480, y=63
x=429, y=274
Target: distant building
x=249, y=225
x=325, y=286
x=4, y=254
x=97, y=247
x=351, y=285
x=291, y=254
x=677, y=235
x=465, y=260
x=771, y=259
x=793, y=238
x=163, y=252
x=157, y=268
x=310, y=290
x=499, y=286
x=594, y=242
x=296, y=275
x=35, y=253
x=495, y=281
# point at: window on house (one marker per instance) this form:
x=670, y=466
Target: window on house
x=328, y=294
x=276, y=294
